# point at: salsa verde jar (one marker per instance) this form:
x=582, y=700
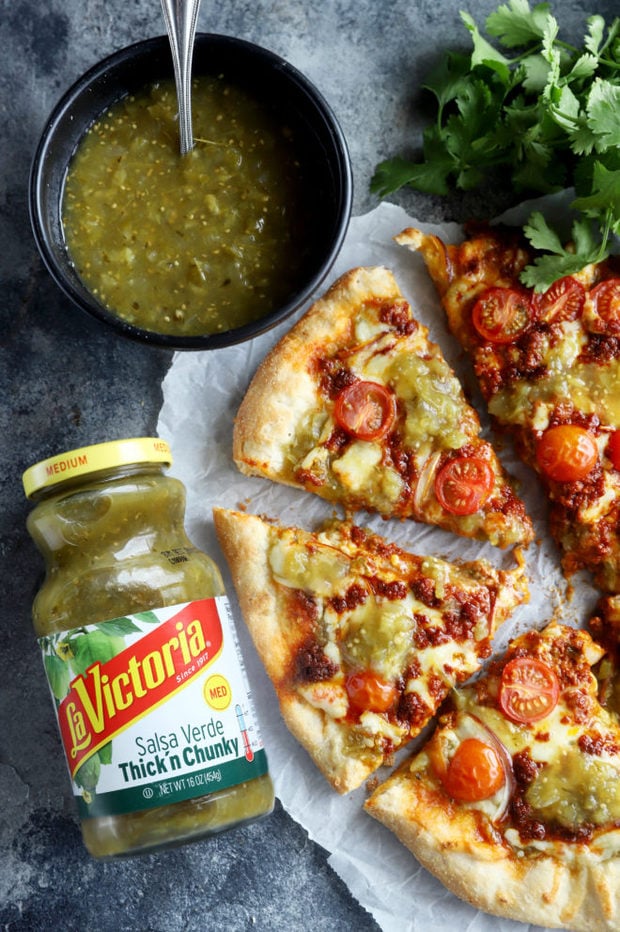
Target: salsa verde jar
x=141, y=654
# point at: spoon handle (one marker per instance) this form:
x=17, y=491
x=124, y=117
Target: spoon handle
x=180, y=17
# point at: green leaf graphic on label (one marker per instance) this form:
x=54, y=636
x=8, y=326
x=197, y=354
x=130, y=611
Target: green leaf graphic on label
x=93, y=647
x=119, y=626
x=57, y=675
x=105, y=753
x=87, y=776
x=149, y=617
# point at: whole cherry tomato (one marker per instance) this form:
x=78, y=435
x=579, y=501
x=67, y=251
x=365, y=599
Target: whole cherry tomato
x=368, y=692
x=475, y=771
x=566, y=453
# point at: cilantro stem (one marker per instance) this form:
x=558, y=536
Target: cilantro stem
x=606, y=228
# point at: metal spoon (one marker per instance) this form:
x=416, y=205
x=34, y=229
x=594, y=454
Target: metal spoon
x=180, y=17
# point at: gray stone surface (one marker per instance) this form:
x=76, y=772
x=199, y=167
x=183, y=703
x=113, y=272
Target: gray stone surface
x=67, y=382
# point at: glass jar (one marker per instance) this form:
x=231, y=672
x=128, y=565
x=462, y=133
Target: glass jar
x=141, y=654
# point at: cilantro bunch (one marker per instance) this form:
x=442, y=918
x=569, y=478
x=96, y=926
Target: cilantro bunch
x=543, y=111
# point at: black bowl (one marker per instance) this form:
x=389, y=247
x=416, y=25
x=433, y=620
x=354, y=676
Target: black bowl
x=268, y=77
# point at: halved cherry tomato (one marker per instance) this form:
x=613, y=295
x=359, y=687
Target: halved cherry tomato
x=566, y=453
x=613, y=448
x=605, y=298
x=475, y=772
x=564, y=300
x=366, y=410
x=367, y=691
x=528, y=690
x=501, y=314
x=464, y=484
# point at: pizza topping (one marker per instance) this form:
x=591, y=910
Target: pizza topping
x=605, y=298
x=413, y=710
x=334, y=376
x=397, y=314
x=613, y=448
x=529, y=690
x=501, y=314
x=320, y=571
x=464, y=484
x=472, y=764
x=367, y=691
x=355, y=595
x=474, y=772
x=312, y=665
x=564, y=300
x=366, y=410
x=575, y=791
x=566, y=453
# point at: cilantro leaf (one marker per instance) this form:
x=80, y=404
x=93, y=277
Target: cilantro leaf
x=594, y=38
x=446, y=79
x=605, y=193
x=430, y=178
x=541, y=235
x=604, y=113
x=535, y=73
x=558, y=260
x=515, y=24
x=484, y=53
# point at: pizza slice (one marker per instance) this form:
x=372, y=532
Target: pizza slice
x=361, y=640
x=548, y=365
x=514, y=802
x=357, y=405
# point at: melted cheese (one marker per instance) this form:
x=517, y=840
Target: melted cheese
x=358, y=465
x=591, y=387
x=329, y=697
x=324, y=572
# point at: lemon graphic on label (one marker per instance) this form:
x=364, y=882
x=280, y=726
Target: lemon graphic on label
x=217, y=692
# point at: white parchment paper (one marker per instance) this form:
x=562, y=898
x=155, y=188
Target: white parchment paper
x=201, y=394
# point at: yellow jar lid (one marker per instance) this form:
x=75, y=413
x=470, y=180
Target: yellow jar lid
x=95, y=458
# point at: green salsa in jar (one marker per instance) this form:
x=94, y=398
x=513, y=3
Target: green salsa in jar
x=194, y=244
x=141, y=654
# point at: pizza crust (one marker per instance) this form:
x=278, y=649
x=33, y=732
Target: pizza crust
x=577, y=892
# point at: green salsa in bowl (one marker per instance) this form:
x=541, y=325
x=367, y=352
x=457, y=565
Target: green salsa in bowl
x=202, y=250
